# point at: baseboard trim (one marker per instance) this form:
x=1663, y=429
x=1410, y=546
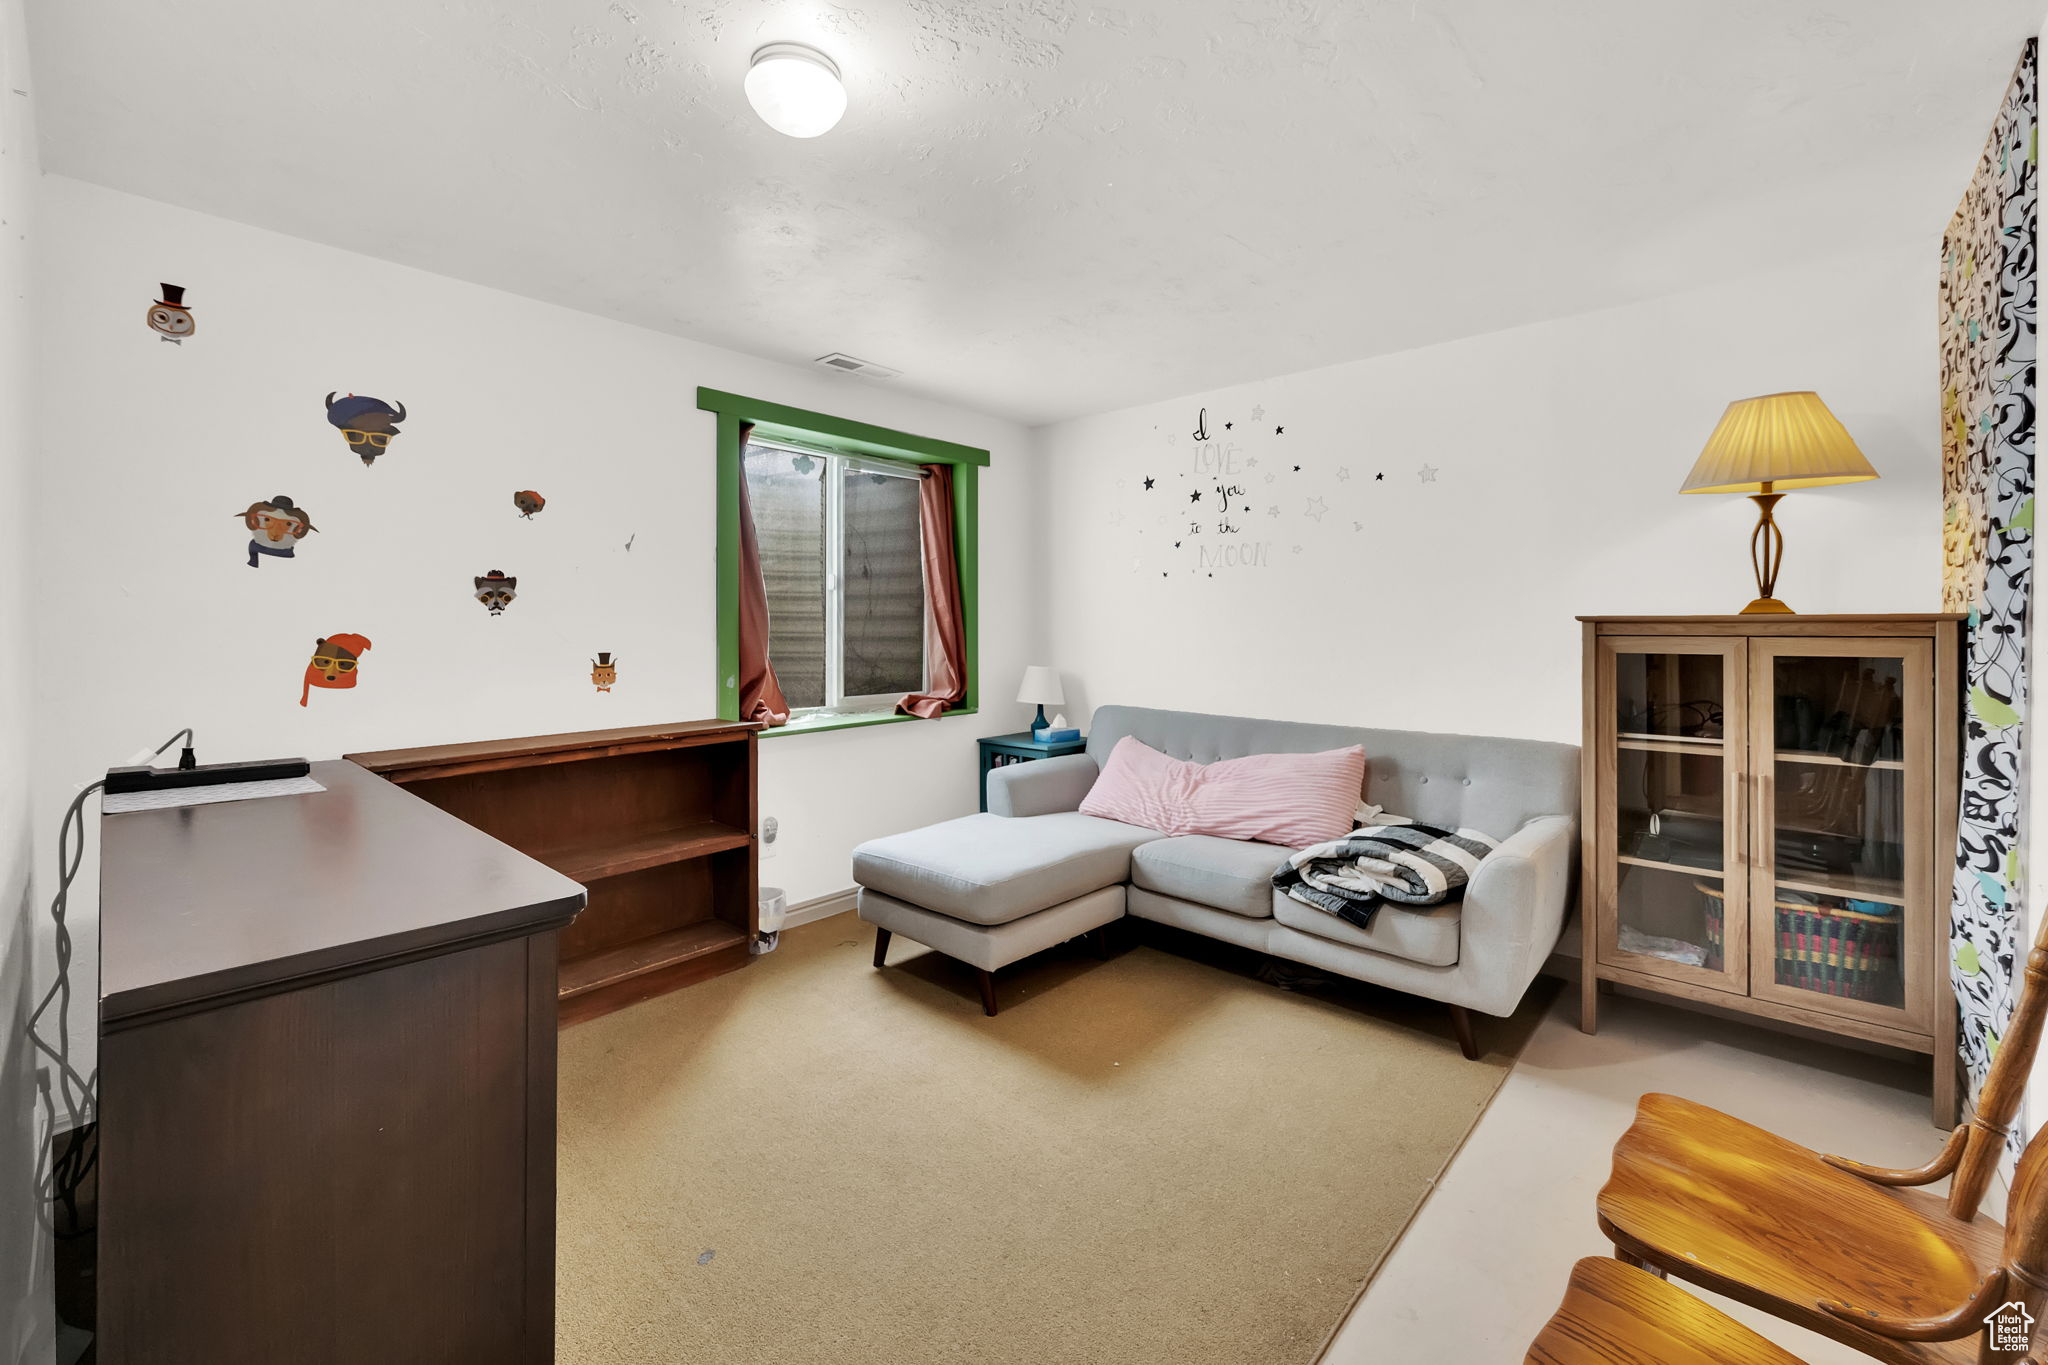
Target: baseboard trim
x=820, y=907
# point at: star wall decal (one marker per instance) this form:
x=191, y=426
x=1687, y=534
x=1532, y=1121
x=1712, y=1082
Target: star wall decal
x=1343, y=474
x=1269, y=478
x=1258, y=414
x=1148, y=485
x=1279, y=431
x=1378, y=478
x=1272, y=511
x=1251, y=461
x=1228, y=425
x=1316, y=508
x=1427, y=473
x=1297, y=549
x=1195, y=496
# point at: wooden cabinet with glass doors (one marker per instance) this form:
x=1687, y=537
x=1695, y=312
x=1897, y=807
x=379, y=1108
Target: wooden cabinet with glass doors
x=1769, y=820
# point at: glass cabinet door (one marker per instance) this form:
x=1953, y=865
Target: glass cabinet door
x=1842, y=889
x=1673, y=888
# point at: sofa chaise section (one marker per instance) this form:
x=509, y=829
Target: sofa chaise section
x=989, y=891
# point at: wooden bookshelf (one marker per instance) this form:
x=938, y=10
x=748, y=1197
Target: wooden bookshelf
x=656, y=821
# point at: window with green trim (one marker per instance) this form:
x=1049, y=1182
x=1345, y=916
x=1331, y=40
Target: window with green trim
x=836, y=520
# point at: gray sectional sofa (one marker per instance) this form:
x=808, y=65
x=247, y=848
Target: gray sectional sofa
x=1033, y=871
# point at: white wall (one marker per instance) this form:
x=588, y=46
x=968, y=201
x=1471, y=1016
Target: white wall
x=1559, y=449
x=153, y=620
x=26, y=1317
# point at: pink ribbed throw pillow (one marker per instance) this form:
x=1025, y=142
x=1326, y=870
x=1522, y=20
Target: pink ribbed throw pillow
x=1290, y=799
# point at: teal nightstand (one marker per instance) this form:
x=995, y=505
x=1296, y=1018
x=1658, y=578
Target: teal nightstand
x=1000, y=751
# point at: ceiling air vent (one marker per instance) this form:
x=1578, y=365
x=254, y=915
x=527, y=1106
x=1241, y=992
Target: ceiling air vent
x=850, y=364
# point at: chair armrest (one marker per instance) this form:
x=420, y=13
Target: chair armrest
x=1042, y=786
x=1515, y=908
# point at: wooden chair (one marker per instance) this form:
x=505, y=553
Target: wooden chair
x=1710, y=1199
x=1615, y=1314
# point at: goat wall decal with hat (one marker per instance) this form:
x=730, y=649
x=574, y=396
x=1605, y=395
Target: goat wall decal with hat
x=275, y=528
x=1765, y=447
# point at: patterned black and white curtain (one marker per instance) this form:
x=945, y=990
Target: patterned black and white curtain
x=1987, y=442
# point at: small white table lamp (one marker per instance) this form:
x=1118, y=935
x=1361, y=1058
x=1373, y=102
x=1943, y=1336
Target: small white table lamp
x=1041, y=685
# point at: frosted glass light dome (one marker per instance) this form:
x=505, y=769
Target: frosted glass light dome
x=795, y=89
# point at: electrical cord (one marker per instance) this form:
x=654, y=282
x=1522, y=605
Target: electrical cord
x=59, y=1177
x=61, y=1183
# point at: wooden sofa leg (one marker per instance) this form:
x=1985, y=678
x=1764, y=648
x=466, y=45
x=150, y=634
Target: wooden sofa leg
x=1461, y=1024
x=881, y=947
x=987, y=980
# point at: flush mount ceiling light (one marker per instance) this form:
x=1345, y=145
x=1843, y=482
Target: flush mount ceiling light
x=795, y=89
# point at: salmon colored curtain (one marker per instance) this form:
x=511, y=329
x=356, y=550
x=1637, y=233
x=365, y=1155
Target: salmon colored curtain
x=761, y=696
x=945, y=622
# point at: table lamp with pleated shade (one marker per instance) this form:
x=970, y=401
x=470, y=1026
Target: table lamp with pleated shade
x=1764, y=447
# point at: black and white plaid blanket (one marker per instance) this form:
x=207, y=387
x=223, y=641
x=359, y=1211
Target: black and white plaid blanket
x=1394, y=860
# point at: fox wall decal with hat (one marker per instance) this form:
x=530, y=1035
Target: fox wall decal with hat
x=335, y=659
x=496, y=591
x=275, y=528
x=169, y=318
x=604, y=671
x=528, y=502
x=369, y=425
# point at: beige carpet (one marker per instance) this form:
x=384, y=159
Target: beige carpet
x=1148, y=1159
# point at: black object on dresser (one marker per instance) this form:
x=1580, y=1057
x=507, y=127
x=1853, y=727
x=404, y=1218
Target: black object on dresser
x=327, y=1084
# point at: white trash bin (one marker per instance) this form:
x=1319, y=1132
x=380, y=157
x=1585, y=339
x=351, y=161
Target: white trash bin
x=774, y=910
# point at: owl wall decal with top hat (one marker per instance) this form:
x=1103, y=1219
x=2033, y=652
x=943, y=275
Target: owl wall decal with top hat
x=169, y=318
x=369, y=425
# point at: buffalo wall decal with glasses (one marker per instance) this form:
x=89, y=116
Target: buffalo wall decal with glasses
x=369, y=425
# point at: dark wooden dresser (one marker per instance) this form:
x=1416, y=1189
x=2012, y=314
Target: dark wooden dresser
x=327, y=1080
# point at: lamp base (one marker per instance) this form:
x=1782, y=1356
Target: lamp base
x=1766, y=606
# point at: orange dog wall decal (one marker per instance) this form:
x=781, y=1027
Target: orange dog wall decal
x=334, y=663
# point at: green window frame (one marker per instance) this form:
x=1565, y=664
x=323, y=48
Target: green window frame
x=844, y=437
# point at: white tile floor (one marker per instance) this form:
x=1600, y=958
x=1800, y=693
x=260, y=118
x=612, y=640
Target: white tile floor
x=1485, y=1262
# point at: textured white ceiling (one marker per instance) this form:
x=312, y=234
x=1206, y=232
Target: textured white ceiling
x=1041, y=208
